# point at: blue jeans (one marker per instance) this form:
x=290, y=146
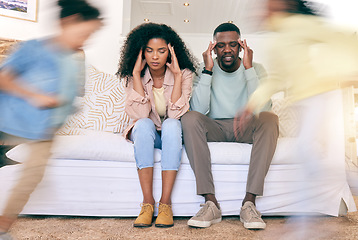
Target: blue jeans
x=146, y=137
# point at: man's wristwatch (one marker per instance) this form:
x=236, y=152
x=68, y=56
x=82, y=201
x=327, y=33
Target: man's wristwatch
x=207, y=72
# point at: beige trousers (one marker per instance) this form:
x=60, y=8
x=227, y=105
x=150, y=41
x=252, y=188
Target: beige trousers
x=31, y=175
x=261, y=131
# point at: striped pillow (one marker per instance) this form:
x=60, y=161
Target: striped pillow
x=102, y=107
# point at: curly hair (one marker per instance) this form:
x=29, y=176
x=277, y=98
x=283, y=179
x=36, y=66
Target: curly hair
x=303, y=7
x=139, y=37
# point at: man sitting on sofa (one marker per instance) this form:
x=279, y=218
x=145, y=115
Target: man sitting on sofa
x=221, y=89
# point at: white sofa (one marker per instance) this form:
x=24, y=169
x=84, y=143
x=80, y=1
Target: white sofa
x=92, y=171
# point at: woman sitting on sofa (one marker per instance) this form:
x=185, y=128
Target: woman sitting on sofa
x=158, y=70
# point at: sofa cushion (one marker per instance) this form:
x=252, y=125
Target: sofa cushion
x=102, y=107
x=103, y=146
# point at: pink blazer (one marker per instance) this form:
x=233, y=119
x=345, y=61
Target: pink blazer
x=137, y=106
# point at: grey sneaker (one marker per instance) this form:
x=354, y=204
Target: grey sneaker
x=207, y=215
x=251, y=217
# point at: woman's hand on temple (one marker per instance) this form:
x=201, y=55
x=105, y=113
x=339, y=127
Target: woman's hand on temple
x=174, y=65
x=139, y=64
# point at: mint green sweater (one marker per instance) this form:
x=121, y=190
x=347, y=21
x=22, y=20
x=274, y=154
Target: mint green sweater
x=223, y=94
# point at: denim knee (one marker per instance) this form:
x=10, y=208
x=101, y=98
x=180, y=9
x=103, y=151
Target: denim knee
x=143, y=124
x=171, y=124
x=171, y=144
x=143, y=136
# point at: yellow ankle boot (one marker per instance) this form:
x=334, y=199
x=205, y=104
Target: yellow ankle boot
x=165, y=216
x=145, y=217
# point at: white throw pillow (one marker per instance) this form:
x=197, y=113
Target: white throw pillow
x=288, y=116
x=102, y=107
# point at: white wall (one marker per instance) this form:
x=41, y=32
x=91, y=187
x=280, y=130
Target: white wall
x=343, y=12
x=102, y=50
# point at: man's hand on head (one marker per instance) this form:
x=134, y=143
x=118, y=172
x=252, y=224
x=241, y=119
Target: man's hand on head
x=208, y=57
x=248, y=54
